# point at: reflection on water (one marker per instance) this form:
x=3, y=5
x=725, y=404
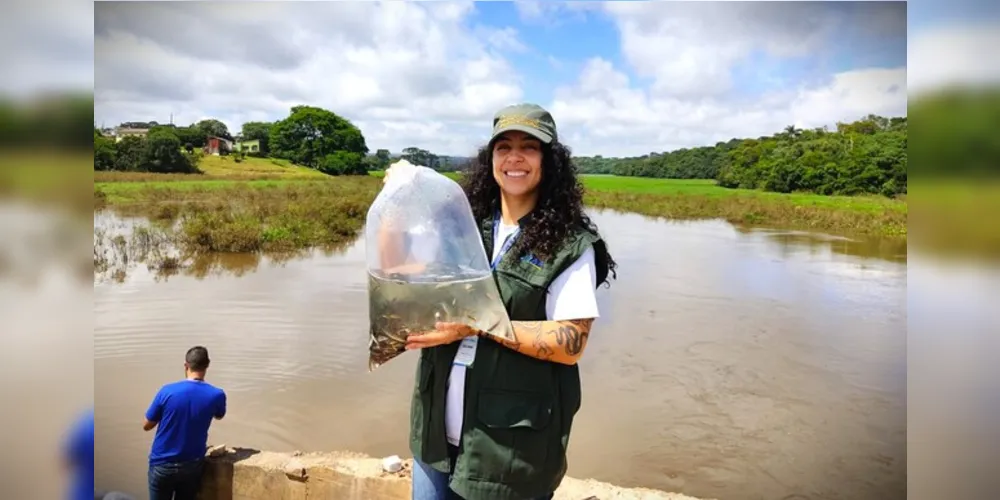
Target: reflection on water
x=892, y=249
x=727, y=363
x=123, y=244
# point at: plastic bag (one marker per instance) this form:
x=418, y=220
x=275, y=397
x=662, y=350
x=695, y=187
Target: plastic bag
x=426, y=263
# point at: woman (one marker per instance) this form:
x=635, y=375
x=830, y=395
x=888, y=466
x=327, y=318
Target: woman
x=491, y=418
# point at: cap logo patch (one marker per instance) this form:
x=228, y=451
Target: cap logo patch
x=508, y=120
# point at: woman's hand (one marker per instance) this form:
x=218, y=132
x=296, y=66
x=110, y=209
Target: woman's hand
x=444, y=333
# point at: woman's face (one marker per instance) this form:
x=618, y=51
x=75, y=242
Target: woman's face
x=517, y=163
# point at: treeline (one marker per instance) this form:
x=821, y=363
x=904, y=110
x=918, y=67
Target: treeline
x=694, y=163
x=867, y=156
x=310, y=136
x=46, y=122
x=955, y=132
x=159, y=151
x=418, y=156
x=166, y=148
x=864, y=157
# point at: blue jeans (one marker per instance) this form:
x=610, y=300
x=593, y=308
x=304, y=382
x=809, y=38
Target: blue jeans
x=175, y=481
x=431, y=484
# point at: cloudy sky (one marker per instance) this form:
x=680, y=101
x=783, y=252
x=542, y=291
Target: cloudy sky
x=621, y=78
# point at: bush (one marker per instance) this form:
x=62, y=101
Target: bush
x=343, y=163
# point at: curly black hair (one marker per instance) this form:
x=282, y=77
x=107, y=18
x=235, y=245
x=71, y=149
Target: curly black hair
x=559, y=208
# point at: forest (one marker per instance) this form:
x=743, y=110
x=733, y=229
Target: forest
x=867, y=156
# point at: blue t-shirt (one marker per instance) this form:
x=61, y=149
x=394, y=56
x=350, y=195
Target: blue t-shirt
x=79, y=451
x=184, y=410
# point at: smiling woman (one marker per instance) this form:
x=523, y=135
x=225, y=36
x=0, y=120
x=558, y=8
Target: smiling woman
x=507, y=406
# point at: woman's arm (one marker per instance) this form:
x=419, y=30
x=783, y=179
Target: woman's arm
x=572, y=296
x=392, y=247
x=556, y=341
x=392, y=241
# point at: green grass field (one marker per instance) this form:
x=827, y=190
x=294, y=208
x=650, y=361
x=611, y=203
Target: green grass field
x=227, y=166
x=708, y=188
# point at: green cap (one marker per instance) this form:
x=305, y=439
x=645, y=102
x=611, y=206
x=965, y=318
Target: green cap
x=528, y=118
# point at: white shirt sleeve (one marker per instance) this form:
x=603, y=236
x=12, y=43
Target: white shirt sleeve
x=572, y=294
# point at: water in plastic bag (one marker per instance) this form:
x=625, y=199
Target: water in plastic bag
x=426, y=263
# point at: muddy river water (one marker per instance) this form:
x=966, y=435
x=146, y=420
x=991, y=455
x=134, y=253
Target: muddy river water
x=727, y=363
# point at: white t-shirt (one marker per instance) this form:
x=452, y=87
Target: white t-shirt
x=571, y=296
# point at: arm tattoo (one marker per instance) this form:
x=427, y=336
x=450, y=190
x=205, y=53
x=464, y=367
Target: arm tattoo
x=510, y=343
x=571, y=337
x=534, y=328
x=544, y=351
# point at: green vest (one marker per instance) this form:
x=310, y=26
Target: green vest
x=518, y=409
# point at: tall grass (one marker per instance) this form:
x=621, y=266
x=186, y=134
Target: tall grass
x=247, y=217
x=757, y=211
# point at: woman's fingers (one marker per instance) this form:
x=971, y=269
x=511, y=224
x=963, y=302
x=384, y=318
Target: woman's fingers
x=444, y=333
x=423, y=340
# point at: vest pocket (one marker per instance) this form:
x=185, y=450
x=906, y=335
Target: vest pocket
x=517, y=431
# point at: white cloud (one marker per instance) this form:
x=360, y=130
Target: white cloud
x=531, y=10
x=551, y=13
x=603, y=113
x=689, y=48
x=851, y=95
x=46, y=48
x=407, y=73
x=423, y=74
x=953, y=54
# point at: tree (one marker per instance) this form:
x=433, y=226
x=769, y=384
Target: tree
x=865, y=156
x=45, y=121
x=130, y=154
x=955, y=132
x=260, y=131
x=418, y=156
x=193, y=135
x=214, y=127
x=163, y=154
x=310, y=134
x=343, y=163
x=382, y=159
x=104, y=152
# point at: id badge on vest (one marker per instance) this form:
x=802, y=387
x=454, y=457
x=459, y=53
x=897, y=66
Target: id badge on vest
x=467, y=351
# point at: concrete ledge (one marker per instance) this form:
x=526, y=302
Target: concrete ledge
x=243, y=473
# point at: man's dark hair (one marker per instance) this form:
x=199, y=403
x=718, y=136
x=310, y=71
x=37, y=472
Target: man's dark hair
x=197, y=358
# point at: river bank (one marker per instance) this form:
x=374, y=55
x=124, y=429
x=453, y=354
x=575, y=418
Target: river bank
x=249, y=473
x=269, y=213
